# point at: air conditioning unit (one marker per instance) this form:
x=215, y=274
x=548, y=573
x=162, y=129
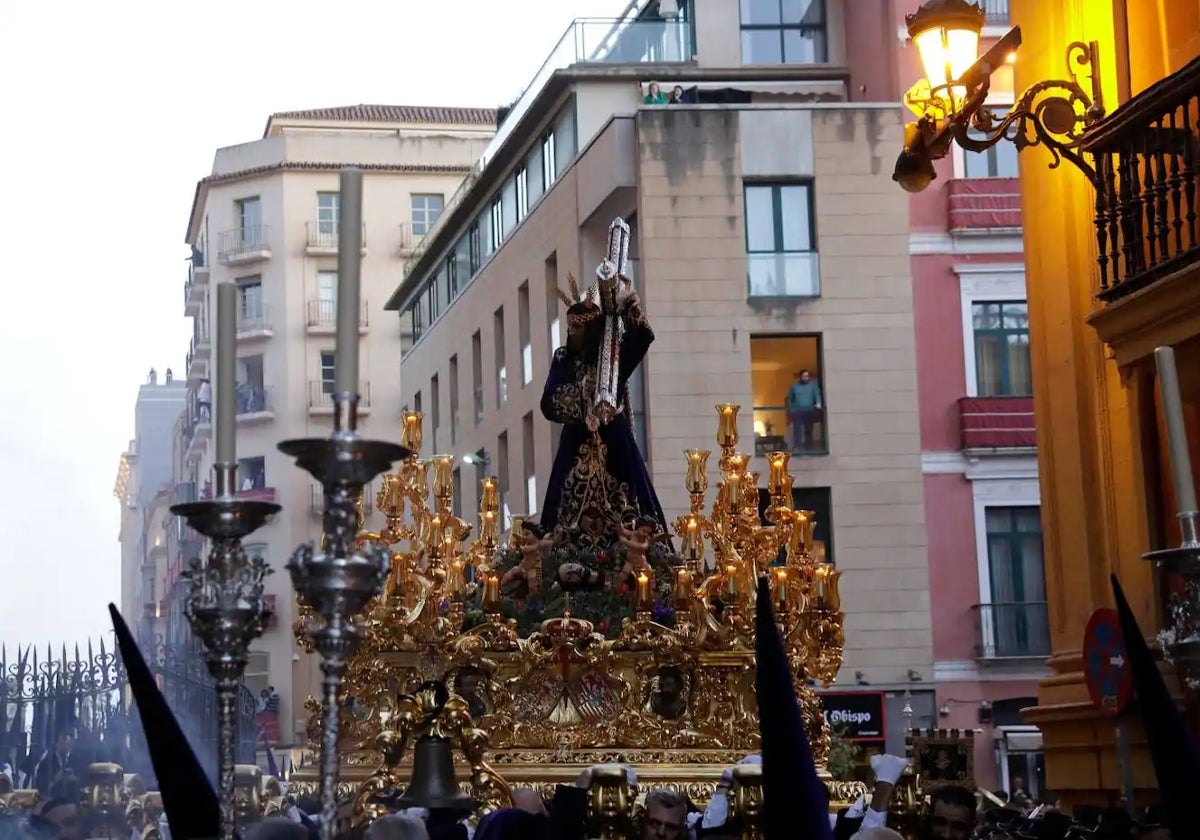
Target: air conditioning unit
x=668, y=9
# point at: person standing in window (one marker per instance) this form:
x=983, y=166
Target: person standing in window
x=803, y=407
x=204, y=401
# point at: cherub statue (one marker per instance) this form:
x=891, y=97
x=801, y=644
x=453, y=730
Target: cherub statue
x=524, y=580
x=638, y=537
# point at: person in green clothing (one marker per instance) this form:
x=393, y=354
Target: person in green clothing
x=803, y=408
x=654, y=95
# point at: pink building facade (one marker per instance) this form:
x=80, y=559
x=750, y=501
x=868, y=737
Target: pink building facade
x=978, y=447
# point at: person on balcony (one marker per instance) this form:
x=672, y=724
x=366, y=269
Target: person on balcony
x=204, y=401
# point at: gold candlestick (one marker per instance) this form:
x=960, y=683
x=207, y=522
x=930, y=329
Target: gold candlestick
x=696, y=479
x=727, y=424
x=456, y=582
x=443, y=476
x=782, y=601
x=410, y=435
x=826, y=580
x=684, y=586
x=731, y=581
x=777, y=477
x=489, y=496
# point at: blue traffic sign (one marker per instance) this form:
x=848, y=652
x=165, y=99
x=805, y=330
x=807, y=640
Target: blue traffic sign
x=1106, y=663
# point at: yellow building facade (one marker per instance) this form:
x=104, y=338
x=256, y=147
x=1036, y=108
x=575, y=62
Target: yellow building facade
x=1105, y=486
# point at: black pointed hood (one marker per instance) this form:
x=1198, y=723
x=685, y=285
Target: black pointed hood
x=1172, y=748
x=190, y=803
x=794, y=800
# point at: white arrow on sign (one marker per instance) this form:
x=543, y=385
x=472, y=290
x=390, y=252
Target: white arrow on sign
x=1118, y=661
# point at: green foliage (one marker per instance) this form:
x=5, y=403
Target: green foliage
x=605, y=607
x=844, y=755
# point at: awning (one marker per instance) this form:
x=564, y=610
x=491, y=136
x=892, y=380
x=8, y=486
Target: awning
x=1020, y=738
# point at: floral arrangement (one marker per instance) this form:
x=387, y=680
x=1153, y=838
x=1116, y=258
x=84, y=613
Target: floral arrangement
x=605, y=606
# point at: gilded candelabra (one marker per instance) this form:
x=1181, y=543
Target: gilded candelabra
x=566, y=692
x=337, y=581
x=225, y=607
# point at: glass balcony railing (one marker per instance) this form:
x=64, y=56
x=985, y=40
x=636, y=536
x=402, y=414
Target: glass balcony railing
x=586, y=41
x=784, y=275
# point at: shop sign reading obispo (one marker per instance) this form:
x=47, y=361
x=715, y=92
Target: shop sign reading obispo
x=859, y=715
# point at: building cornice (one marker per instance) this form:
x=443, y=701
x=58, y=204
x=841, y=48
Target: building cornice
x=490, y=174
x=203, y=185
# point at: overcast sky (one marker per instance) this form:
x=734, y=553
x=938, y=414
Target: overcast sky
x=113, y=112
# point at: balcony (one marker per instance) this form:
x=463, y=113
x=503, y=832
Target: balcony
x=1013, y=631
x=1147, y=233
x=195, y=287
x=316, y=500
x=198, y=433
x=320, y=398
x=254, y=404
x=246, y=244
x=406, y=241
x=197, y=359
x=980, y=206
x=321, y=240
x=321, y=317
x=997, y=425
x=773, y=433
x=254, y=323
x=997, y=12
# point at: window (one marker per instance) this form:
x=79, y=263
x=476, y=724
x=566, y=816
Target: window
x=496, y=225
x=1000, y=161
x=528, y=456
x=522, y=188
x=456, y=501
x=329, y=207
x=249, y=215
x=789, y=394
x=783, y=32
x=502, y=474
x=460, y=268
x=328, y=365
x=1002, y=348
x=435, y=408
x=453, y=399
x=508, y=208
x=426, y=207
x=781, y=241
x=819, y=501
x=251, y=308
x=326, y=308
x=252, y=473
x=476, y=254
x=564, y=139
x=498, y=349
x=524, y=334
x=553, y=304
x=1017, y=624
x=250, y=390
x=477, y=374
x=549, y=167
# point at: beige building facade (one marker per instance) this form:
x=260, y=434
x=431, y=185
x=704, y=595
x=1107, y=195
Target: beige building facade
x=267, y=220
x=767, y=238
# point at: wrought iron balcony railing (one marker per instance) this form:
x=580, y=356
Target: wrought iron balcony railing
x=320, y=394
x=243, y=242
x=1018, y=630
x=1146, y=155
x=323, y=236
x=997, y=12
x=252, y=399
x=323, y=313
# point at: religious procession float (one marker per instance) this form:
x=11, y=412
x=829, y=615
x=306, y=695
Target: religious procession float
x=602, y=633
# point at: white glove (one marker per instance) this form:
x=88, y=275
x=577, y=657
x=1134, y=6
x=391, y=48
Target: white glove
x=888, y=768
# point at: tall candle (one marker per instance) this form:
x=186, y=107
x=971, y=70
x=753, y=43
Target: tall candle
x=1177, y=442
x=226, y=407
x=643, y=601
x=491, y=592
x=731, y=582
x=349, y=267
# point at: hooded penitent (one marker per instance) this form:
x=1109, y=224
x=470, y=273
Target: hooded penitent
x=794, y=801
x=191, y=805
x=1172, y=749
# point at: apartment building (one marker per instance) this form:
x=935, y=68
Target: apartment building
x=143, y=488
x=991, y=635
x=767, y=239
x=267, y=220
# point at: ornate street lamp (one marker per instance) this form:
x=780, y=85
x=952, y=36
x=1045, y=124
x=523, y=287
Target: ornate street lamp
x=950, y=101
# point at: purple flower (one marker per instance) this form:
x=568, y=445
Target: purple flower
x=443, y=606
x=534, y=607
x=661, y=613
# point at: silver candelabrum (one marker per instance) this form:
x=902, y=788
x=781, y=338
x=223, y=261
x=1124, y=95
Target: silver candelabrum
x=225, y=607
x=1181, y=640
x=339, y=579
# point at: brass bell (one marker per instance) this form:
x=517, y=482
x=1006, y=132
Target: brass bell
x=433, y=784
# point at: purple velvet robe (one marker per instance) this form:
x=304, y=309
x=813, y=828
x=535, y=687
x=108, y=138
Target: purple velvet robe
x=567, y=399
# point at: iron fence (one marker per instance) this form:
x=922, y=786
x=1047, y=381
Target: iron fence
x=87, y=694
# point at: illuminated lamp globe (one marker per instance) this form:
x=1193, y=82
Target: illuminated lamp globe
x=946, y=33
